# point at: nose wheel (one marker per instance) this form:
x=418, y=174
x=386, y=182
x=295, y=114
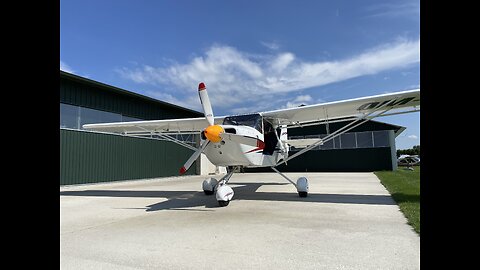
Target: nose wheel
x=223, y=193
x=223, y=203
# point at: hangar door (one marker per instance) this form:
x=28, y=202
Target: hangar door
x=89, y=157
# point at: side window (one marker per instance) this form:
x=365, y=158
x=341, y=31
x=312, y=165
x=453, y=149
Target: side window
x=267, y=127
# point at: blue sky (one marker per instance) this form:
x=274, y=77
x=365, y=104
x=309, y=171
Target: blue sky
x=252, y=55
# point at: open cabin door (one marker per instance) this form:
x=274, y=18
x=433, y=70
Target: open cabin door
x=269, y=137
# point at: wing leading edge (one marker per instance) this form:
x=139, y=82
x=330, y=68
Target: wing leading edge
x=398, y=102
x=167, y=125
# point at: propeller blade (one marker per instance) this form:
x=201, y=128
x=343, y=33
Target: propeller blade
x=243, y=139
x=193, y=157
x=207, y=107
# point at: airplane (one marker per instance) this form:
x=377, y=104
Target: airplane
x=408, y=160
x=261, y=139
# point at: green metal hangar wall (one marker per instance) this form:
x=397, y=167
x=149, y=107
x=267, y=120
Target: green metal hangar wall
x=90, y=157
x=368, y=147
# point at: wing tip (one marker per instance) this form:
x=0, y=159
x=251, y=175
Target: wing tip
x=182, y=170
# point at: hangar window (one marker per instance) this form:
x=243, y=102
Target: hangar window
x=129, y=119
x=348, y=140
x=367, y=139
x=91, y=116
x=364, y=139
x=75, y=116
x=68, y=116
x=327, y=145
x=313, y=137
x=337, y=144
x=380, y=138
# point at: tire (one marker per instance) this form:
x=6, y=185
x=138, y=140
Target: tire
x=223, y=203
x=302, y=194
x=208, y=192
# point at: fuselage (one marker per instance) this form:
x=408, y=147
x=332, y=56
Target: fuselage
x=230, y=153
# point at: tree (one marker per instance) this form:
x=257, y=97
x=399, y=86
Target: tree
x=413, y=151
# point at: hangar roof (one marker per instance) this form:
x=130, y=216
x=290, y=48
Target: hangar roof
x=125, y=93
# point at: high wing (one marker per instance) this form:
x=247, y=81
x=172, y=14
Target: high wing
x=393, y=103
x=168, y=125
x=398, y=102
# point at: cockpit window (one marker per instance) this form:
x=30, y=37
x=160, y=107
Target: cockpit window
x=251, y=120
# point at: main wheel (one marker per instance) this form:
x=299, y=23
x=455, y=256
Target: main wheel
x=302, y=187
x=208, y=186
x=208, y=192
x=223, y=203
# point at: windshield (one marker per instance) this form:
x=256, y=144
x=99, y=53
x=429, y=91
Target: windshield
x=251, y=120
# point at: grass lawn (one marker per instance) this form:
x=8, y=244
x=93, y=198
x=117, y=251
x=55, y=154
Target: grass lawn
x=404, y=186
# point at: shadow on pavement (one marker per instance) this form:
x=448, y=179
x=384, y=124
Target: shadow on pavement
x=179, y=200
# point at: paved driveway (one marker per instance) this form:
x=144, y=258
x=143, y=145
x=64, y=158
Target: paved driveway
x=348, y=221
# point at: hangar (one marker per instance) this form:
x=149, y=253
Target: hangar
x=90, y=157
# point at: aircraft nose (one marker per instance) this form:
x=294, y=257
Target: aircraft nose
x=213, y=133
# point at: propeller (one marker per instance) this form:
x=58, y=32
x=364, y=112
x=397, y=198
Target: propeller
x=193, y=157
x=212, y=132
x=207, y=106
x=215, y=133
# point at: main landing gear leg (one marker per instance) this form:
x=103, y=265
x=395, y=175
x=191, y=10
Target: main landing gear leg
x=301, y=185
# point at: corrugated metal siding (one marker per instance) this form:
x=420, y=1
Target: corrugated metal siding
x=337, y=160
x=87, y=157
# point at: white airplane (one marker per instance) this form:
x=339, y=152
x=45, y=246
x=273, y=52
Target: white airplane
x=260, y=139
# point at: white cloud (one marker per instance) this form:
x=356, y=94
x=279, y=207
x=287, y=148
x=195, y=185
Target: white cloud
x=65, y=67
x=298, y=101
x=282, y=61
x=304, y=98
x=233, y=76
x=394, y=10
x=191, y=102
x=413, y=137
x=270, y=45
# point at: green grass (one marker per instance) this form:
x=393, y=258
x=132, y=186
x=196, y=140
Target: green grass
x=404, y=186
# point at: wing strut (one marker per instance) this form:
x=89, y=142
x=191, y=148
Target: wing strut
x=174, y=140
x=348, y=127
x=168, y=138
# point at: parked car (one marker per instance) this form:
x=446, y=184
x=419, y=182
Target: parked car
x=408, y=161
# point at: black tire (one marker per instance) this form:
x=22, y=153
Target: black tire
x=208, y=192
x=302, y=194
x=223, y=203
